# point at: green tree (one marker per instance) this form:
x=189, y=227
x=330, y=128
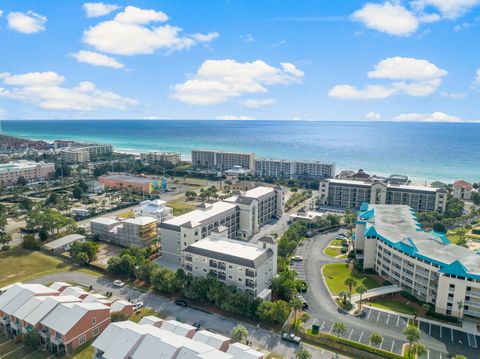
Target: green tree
x=339, y=328
x=296, y=305
x=412, y=334
x=439, y=227
x=87, y=250
x=118, y=317
x=239, y=333
x=460, y=307
x=303, y=354
x=30, y=242
x=361, y=289
x=191, y=195
x=375, y=339
x=22, y=181
x=351, y=283
x=273, y=312
x=418, y=350
x=5, y=239
x=77, y=193
x=459, y=356
x=31, y=338
x=343, y=296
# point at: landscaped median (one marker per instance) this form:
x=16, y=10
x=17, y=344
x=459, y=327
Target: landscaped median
x=336, y=274
x=347, y=347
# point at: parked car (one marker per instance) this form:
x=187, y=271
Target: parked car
x=196, y=325
x=297, y=259
x=309, y=234
x=118, y=283
x=292, y=338
x=181, y=303
x=138, y=305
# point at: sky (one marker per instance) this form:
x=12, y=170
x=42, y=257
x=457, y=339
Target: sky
x=336, y=60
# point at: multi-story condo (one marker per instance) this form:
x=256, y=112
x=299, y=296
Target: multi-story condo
x=153, y=336
x=75, y=155
x=351, y=194
x=156, y=208
x=242, y=214
x=138, y=232
x=248, y=267
x=462, y=189
x=158, y=157
x=98, y=151
x=220, y=160
x=388, y=239
x=32, y=171
x=293, y=169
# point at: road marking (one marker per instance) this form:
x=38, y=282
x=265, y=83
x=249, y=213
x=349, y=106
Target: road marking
x=428, y=354
x=378, y=317
x=13, y=351
x=388, y=318
x=398, y=320
x=440, y=331
x=330, y=331
x=468, y=339
x=393, y=342
x=350, y=334
x=369, y=312
x=360, y=339
x=475, y=340
x=8, y=341
x=429, y=328
x=322, y=325
x=451, y=333
x=26, y=356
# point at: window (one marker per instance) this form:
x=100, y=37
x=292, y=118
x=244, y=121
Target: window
x=95, y=331
x=82, y=339
x=94, y=321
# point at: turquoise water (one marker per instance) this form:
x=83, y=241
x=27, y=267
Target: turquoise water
x=423, y=151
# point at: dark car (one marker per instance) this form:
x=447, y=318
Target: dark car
x=305, y=305
x=196, y=325
x=181, y=303
x=292, y=338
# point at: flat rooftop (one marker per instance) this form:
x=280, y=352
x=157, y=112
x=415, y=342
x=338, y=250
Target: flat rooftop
x=141, y=221
x=126, y=178
x=398, y=224
x=64, y=240
x=258, y=192
x=22, y=165
x=389, y=185
x=200, y=215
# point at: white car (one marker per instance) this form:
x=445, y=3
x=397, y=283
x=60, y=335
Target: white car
x=138, y=305
x=297, y=259
x=118, y=283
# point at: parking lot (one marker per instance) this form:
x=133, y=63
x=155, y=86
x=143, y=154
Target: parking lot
x=299, y=266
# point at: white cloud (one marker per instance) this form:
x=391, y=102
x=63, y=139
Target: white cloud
x=256, y=103
x=132, y=32
x=453, y=95
x=234, y=118
x=450, y=9
x=390, y=17
x=26, y=23
x=96, y=9
x=96, y=59
x=1, y=13
x=413, y=77
x=477, y=77
x=373, y=116
x=217, y=81
x=432, y=117
x=44, y=90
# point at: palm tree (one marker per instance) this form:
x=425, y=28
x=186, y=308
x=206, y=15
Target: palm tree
x=296, y=306
x=303, y=354
x=376, y=339
x=343, y=296
x=360, y=290
x=339, y=328
x=418, y=350
x=412, y=334
x=460, y=307
x=351, y=283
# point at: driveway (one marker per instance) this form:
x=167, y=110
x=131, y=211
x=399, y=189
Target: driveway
x=323, y=310
x=260, y=338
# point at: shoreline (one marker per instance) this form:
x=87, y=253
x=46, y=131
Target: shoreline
x=416, y=181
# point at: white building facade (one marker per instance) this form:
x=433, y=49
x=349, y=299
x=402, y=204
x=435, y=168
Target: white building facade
x=220, y=160
x=287, y=169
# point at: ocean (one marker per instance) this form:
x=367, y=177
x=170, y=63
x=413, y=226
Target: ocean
x=423, y=151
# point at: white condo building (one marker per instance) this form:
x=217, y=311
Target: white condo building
x=248, y=267
x=221, y=160
x=389, y=239
x=156, y=208
x=150, y=158
x=293, y=169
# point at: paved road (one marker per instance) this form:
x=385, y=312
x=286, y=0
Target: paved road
x=260, y=337
x=324, y=311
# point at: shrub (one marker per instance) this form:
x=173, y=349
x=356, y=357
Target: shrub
x=118, y=317
x=344, y=250
x=30, y=242
x=476, y=231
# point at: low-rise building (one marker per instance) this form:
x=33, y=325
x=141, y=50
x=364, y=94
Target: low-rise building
x=139, y=232
x=156, y=209
x=150, y=158
x=221, y=160
x=64, y=243
x=462, y=190
x=130, y=340
x=389, y=240
x=32, y=171
x=290, y=169
x=95, y=187
x=134, y=183
x=340, y=193
x=248, y=267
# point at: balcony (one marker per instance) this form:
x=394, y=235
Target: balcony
x=188, y=258
x=250, y=273
x=221, y=276
x=4, y=320
x=55, y=340
x=250, y=283
x=213, y=264
x=44, y=333
x=222, y=266
x=188, y=267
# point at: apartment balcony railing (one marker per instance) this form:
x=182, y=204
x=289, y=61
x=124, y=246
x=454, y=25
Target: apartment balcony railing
x=188, y=258
x=250, y=273
x=250, y=284
x=222, y=266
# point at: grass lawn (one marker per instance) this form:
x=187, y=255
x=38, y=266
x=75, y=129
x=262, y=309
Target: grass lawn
x=144, y=312
x=180, y=206
x=453, y=237
x=19, y=264
x=332, y=252
x=335, y=242
x=394, y=305
x=335, y=275
x=273, y=356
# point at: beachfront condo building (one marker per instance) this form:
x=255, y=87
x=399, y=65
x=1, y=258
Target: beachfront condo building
x=98, y=150
x=286, y=169
x=241, y=214
x=220, y=160
x=75, y=155
x=248, y=267
x=342, y=194
x=32, y=171
x=150, y=158
x=138, y=232
x=390, y=240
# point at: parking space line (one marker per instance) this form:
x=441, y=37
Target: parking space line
x=398, y=320
x=475, y=340
x=388, y=318
x=451, y=333
x=378, y=317
x=369, y=312
x=330, y=331
x=428, y=354
x=322, y=325
x=360, y=339
x=393, y=343
x=440, y=331
x=429, y=328
x=350, y=334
